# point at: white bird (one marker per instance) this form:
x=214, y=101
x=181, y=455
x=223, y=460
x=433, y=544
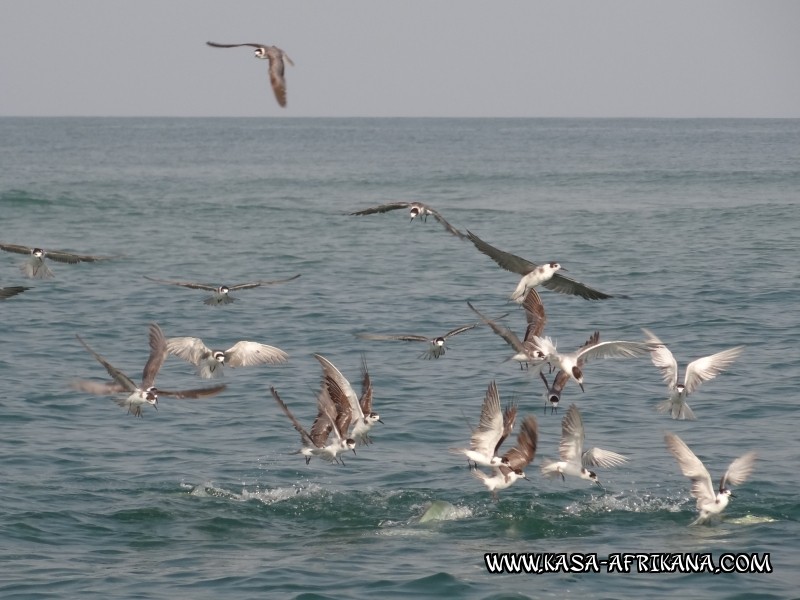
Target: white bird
x=572, y=362
x=526, y=350
x=36, y=268
x=146, y=392
x=698, y=371
x=493, y=428
x=533, y=274
x=316, y=443
x=415, y=209
x=709, y=501
x=514, y=461
x=275, y=56
x=436, y=345
x=210, y=362
x=221, y=293
x=574, y=460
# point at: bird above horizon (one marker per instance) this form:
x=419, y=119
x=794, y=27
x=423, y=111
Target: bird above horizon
x=546, y=275
x=275, y=56
x=416, y=209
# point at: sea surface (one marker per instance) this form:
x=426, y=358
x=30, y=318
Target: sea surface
x=693, y=225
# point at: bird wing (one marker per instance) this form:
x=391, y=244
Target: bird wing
x=504, y=332
x=8, y=292
x=566, y=285
x=382, y=208
x=340, y=409
x=192, y=394
x=508, y=261
x=534, y=314
x=390, y=336
x=693, y=468
x=190, y=349
x=521, y=455
x=597, y=457
x=16, y=248
x=247, y=354
x=593, y=340
x=708, y=367
x=186, y=284
x=437, y=215
x=329, y=370
x=458, y=330
x=158, y=353
x=99, y=388
x=739, y=471
x=304, y=435
x=247, y=286
x=71, y=258
x=215, y=45
x=572, y=435
x=365, y=401
x=486, y=437
x=118, y=376
x=276, y=76
x=663, y=359
x=615, y=349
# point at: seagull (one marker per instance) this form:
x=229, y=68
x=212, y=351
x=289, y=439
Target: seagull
x=275, y=56
x=553, y=392
x=572, y=362
x=8, y=292
x=697, y=371
x=709, y=502
x=515, y=460
x=349, y=411
x=526, y=350
x=315, y=443
x=415, y=209
x=145, y=393
x=533, y=274
x=436, y=345
x=36, y=268
x=493, y=428
x=221, y=293
x=210, y=362
x=574, y=459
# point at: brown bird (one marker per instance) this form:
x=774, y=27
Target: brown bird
x=275, y=56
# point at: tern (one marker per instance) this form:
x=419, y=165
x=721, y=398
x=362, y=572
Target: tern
x=275, y=56
x=436, y=345
x=36, y=268
x=415, y=209
x=221, y=293
x=349, y=409
x=210, y=362
x=146, y=392
x=515, y=460
x=493, y=428
x=316, y=442
x=697, y=372
x=574, y=460
x=534, y=275
x=8, y=292
x=572, y=362
x=553, y=392
x=709, y=502
x=526, y=350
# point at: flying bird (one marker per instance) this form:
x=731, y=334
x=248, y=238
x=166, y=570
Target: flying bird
x=415, y=209
x=221, y=293
x=574, y=459
x=514, y=461
x=275, y=56
x=552, y=394
x=493, y=428
x=534, y=275
x=210, y=362
x=709, y=501
x=436, y=345
x=36, y=268
x=144, y=393
x=698, y=371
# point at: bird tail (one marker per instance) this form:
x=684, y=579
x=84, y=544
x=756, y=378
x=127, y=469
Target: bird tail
x=678, y=410
x=549, y=468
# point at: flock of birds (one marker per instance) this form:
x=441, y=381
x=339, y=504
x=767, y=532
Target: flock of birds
x=345, y=419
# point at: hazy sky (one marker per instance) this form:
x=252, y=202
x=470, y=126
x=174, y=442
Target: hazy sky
x=593, y=58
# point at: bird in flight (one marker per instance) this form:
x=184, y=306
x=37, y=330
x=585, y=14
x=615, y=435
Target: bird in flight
x=36, y=268
x=221, y=293
x=415, y=209
x=275, y=56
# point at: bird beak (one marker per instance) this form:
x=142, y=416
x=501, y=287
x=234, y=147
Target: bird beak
x=733, y=495
x=381, y=422
x=526, y=478
x=580, y=384
x=354, y=452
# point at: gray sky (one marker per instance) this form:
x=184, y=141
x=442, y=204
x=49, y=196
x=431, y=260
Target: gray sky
x=593, y=58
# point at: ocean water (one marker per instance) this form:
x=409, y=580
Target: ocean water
x=695, y=222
